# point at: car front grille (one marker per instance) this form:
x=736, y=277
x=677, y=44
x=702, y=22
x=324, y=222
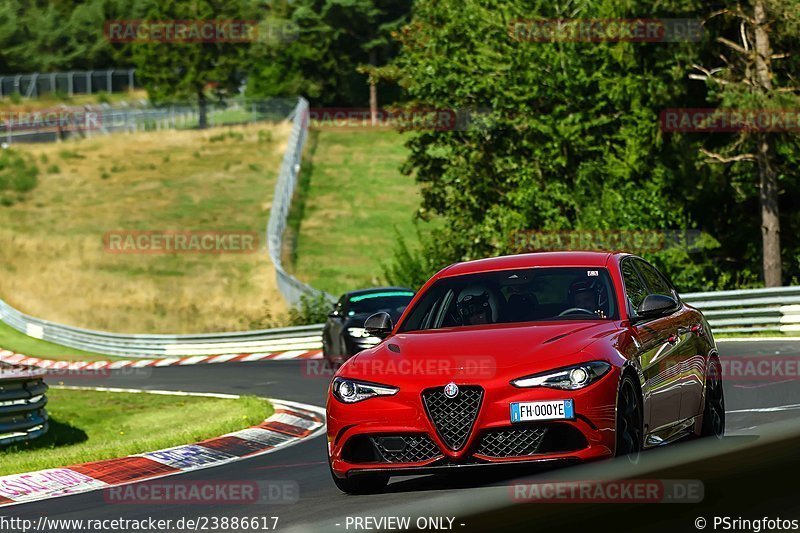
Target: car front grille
x=453, y=417
x=511, y=442
x=405, y=448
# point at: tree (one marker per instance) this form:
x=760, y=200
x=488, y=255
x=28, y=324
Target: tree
x=189, y=70
x=572, y=139
x=329, y=57
x=751, y=74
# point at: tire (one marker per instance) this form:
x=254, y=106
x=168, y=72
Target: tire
x=629, y=432
x=714, y=410
x=361, y=484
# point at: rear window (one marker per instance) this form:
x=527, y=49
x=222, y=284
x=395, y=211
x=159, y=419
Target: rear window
x=512, y=296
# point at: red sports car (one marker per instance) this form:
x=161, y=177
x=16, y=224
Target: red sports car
x=561, y=356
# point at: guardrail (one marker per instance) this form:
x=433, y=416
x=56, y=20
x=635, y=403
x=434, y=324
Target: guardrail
x=22, y=404
x=164, y=345
x=751, y=310
x=292, y=289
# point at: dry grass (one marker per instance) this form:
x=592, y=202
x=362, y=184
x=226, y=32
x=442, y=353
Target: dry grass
x=53, y=263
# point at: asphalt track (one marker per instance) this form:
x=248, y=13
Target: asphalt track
x=749, y=404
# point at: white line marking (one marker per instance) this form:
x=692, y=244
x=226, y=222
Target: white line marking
x=144, y=391
x=768, y=409
x=757, y=339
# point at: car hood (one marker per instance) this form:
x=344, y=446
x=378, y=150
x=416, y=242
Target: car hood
x=481, y=350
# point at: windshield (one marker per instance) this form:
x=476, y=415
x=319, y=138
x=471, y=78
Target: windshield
x=511, y=296
x=392, y=302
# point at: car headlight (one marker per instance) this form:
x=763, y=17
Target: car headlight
x=358, y=332
x=351, y=391
x=570, y=378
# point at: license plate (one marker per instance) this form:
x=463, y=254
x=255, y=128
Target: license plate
x=555, y=410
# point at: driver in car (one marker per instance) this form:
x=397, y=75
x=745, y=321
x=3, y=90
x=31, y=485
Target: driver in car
x=475, y=306
x=586, y=294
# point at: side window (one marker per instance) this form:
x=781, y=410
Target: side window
x=634, y=287
x=656, y=283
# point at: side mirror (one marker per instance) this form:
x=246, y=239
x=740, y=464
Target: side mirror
x=379, y=325
x=655, y=305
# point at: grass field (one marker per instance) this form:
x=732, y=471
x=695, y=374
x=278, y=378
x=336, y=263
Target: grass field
x=91, y=426
x=53, y=263
x=351, y=197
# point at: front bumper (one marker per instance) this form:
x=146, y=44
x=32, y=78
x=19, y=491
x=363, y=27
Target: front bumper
x=353, y=427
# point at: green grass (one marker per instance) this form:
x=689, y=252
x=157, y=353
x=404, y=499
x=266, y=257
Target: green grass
x=91, y=426
x=55, y=263
x=11, y=339
x=351, y=196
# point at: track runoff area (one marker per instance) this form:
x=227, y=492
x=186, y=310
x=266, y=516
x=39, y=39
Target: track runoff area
x=290, y=488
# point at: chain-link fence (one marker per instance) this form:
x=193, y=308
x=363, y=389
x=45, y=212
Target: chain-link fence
x=69, y=83
x=63, y=122
x=292, y=289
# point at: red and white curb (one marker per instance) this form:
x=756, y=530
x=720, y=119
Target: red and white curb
x=7, y=356
x=290, y=424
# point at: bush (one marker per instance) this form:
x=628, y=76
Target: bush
x=312, y=310
x=413, y=267
x=18, y=174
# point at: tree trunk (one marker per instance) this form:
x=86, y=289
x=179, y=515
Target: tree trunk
x=202, y=110
x=373, y=91
x=768, y=181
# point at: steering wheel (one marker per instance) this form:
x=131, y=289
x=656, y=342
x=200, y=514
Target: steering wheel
x=573, y=310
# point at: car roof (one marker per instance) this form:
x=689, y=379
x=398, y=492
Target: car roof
x=531, y=260
x=361, y=292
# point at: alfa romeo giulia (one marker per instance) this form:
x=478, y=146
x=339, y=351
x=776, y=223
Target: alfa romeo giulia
x=559, y=356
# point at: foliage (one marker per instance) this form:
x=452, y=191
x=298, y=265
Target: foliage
x=312, y=310
x=18, y=174
x=332, y=39
x=571, y=136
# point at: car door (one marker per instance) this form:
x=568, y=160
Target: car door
x=659, y=361
x=687, y=346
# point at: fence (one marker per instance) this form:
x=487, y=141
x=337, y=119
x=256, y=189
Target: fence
x=62, y=122
x=266, y=340
x=292, y=289
x=22, y=404
x=750, y=311
x=69, y=83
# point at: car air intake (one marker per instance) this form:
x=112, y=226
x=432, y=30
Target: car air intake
x=454, y=417
x=510, y=442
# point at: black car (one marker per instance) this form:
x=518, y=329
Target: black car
x=344, y=334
